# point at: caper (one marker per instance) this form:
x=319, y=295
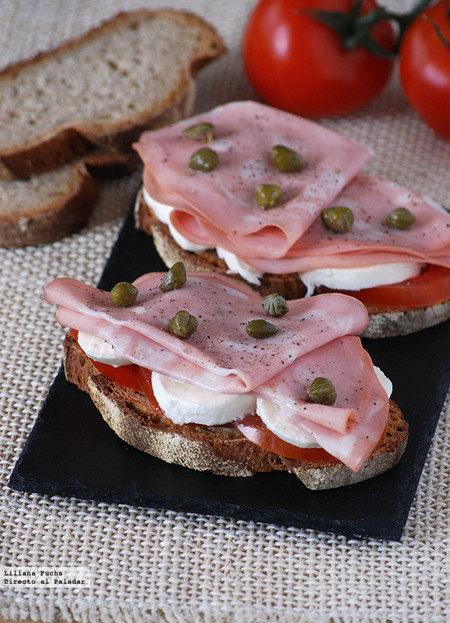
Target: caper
x=204, y=159
x=322, y=391
x=268, y=195
x=123, y=294
x=275, y=305
x=174, y=278
x=400, y=218
x=183, y=324
x=260, y=329
x=337, y=219
x=287, y=160
x=202, y=131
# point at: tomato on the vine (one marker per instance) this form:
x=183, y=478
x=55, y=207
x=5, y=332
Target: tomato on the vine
x=425, y=67
x=300, y=65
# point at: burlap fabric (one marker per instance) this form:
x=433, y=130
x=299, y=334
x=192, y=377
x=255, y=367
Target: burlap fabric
x=151, y=565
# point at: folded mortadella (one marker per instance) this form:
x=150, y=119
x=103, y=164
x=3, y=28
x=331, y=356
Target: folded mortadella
x=225, y=198
x=316, y=337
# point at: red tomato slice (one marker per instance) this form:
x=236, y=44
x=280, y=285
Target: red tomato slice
x=145, y=381
x=256, y=431
x=429, y=288
x=127, y=376
x=252, y=427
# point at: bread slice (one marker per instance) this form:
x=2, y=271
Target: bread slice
x=383, y=321
x=46, y=207
x=101, y=90
x=222, y=450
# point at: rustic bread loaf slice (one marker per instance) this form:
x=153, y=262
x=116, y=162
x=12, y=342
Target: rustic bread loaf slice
x=222, y=450
x=46, y=207
x=49, y=206
x=383, y=321
x=133, y=72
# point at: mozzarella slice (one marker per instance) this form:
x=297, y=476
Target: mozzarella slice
x=360, y=278
x=272, y=416
x=99, y=350
x=237, y=266
x=385, y=382
x=187, y=404
x=234, y=264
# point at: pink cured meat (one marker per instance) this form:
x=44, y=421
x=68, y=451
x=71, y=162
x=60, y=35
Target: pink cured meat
x=370, y=241
x=349, y=367
x=235, y=362
x=313, y=337
x=225, y=197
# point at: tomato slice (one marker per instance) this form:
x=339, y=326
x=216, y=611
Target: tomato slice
x=145, y=382
x=252, y=427
x=256, y=431
x=127, y=376
x=431, y=287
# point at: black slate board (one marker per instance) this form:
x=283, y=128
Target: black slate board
x=72, y=452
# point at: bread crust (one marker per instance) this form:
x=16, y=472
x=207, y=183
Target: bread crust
x=384, y=321
x=71, y=139
x=51, y=218
x=222, y=450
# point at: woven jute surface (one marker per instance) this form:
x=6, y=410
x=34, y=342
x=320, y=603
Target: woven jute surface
x=153, y=565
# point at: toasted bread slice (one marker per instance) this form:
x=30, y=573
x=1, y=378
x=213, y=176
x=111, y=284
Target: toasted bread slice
x=101, y=90
x=222, y=450
x=383, y=321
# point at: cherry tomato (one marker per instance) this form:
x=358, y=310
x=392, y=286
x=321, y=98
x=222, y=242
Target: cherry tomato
x=429, y=288
x=256, y=431
x=425, y=67
x=300, y=65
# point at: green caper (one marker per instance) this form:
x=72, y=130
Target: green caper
x=322, y=391
x=400, y=218
x=183, y=324
x=287, y=160
x=174, y=278
x=275, y=305
x=338, y=219
x=123, y=294
x=203, y=160
x=268, y=195
x=260, y=329
x=202, y=131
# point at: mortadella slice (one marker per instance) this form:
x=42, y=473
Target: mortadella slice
x=225, y=357
x=225, y=197
x=350, y=429
x=315, y=338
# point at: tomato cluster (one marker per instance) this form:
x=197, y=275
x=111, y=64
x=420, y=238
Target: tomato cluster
x=320, y=58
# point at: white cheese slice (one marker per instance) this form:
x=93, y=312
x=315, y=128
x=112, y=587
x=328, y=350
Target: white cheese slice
x=187, y=404
x=100, y=350
x=360, y=278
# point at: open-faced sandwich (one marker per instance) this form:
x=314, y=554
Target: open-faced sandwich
x=280, y=203
x=199, y=370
